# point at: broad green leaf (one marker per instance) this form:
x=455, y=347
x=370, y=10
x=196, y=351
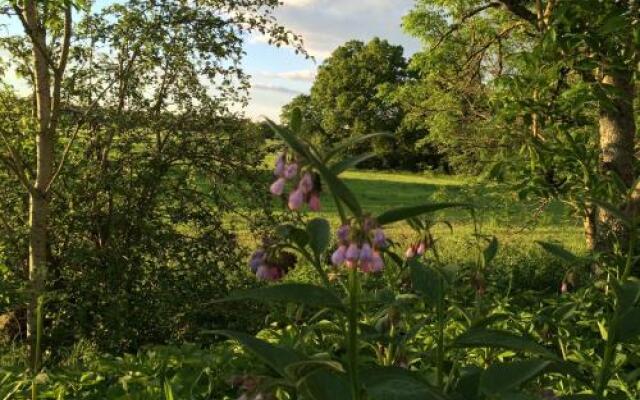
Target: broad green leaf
x=400, y=214
x=426, y=281
x=628, y=293
x=559, y=252
x=503, y=377
x=490, y=251
x=469, y=383
x=325, y=385
x=299, y=293
x=276, y=357
x=293, y=233
x=319, y=232
x=501, y=339
x=301, y=369
x=629, y=325
x=391, y=383
x=350, y=162
x=345, y=144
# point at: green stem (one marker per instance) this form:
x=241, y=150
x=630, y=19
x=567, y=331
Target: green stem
x=612, y=340
x=353, y=333
x=440, y=353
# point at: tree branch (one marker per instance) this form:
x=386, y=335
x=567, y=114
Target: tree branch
x=517, y=8
x=29, y=31
x=470, y=14
x=61, y=67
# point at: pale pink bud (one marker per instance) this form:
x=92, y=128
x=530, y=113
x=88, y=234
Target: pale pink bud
x=366, y=253
x=280, y=163
x=378, y=263
x=296, y=199
x=290, y=170
x=343, y=233
x=379, y=239
x=410, y=253
x=422, y=248
x=314, y=202
x=564, y=288
x=353, y=252
x=338, y=256
x=277, y=188
x=306, y=183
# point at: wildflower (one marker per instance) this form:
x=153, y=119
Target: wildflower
x=296, y=199
x=338, y=257
x=280, y=163
x=366, y=254
x=306, y=183
x=422, y=248
x=257, y=259
x=377, y=262
x=343, y=233
x=268, y=273
x=410, y=253
x=379, y=239
x=352, y=255
x=290, y=170
x=277, y=188
x=314, y=202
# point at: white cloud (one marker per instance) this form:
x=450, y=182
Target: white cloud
x=304, y=75
x=275, y=88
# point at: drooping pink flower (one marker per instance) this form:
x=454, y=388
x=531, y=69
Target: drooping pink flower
x=314, y=202
x=257, y=259
x=280, y=163
x=379, y=239
x=277, y=188
x=338, y=257
x=343, y=233
x=306, y=183
x=377, y=262
x=352, y=255
x=268, y=273
x=296, y=199
x=410, y=253
x=422, y=248
x=366, y=253
x=290, y=170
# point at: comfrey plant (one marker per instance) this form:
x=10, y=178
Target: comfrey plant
x=387, y=326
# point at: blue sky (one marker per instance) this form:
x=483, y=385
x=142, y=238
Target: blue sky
x=278, y=74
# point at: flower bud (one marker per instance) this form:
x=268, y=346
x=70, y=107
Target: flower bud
x=422, y=248
x=280, y=163
x=338, y=257
x=268, y=273
x=366, y=253
x=353, y=252
x=290, y=170
x=379, y=239
x=343, y=233
x=296, y=199
x=410, y=253
x=306, y=183
x=314, y=202
x=277, y=188
x=378, y=263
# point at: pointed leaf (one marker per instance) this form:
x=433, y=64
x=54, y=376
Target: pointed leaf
x=319, y=232
x=559, y=252
x=350, y=162
x=490, y=251
x=345, y=144
x=426, y=281
x=501, y=339
x=503, y=377
x=629, y=326
x=400, y=214
x=276, y=357
x=323, y=385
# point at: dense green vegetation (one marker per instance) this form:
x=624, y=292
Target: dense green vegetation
x=503, y=265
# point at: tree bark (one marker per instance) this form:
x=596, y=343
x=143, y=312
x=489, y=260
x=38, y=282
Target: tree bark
x=38, y=199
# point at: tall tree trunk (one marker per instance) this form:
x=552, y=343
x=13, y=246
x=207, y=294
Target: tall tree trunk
x=38, y=200
x=617, y=139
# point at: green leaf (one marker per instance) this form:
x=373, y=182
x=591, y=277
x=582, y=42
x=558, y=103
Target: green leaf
x=319, y=232
x=503, y=377
x=293, y=233
x=400, y=214
x=345, y=144
x=559, y=252
x=276, y=357
x=629, y=325
x=490, y=252
x=392, y=383
x=501, y=339
x=350, y=162
x=426, y=281
x=299, y=293
x=324, y=385
x=168, y=391
x=303, y=368
x=295, y=123
x=290, y=139
x=628, y=294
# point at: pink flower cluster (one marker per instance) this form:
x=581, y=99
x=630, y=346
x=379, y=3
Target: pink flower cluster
x=250, y=386
x=307, y=189
x=270, y=267
x=360, y=247
x=417, y=249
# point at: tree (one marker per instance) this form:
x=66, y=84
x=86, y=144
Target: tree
x=141, y=64
x=547, y=53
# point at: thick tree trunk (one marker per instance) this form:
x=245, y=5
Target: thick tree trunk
x=617, y=142
x=38, y=200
